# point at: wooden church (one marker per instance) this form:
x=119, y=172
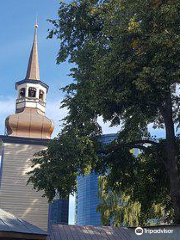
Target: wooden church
x=27, y=132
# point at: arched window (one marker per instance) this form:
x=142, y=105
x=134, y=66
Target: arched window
x=22, y=93
x=41, y=95
x=32, y=92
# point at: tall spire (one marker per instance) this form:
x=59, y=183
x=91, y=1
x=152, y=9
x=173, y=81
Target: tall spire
x=33, y=65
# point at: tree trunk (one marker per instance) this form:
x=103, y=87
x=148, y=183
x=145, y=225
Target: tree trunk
x=172, y=160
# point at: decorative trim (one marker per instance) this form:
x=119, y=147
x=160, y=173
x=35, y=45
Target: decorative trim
x=14, y=235
x=33, y=82
x=21, y=140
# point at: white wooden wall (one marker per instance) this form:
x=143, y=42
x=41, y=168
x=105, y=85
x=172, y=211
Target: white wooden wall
x=16, y=196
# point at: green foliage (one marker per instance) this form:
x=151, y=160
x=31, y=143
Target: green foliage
x=117, y=209
x=55, y=169
x=136, y=191
x=127, y=56
x=127, y=68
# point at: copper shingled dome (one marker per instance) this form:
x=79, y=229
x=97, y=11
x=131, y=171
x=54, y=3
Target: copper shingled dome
x=30, y=123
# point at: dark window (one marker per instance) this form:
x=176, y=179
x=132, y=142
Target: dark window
x=32, y=92
x=22, y=93
x=41, y=94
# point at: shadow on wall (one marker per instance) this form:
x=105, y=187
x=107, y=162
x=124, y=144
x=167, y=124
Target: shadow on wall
x=16, y=196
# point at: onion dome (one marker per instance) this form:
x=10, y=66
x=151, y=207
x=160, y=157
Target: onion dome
x=30, y=124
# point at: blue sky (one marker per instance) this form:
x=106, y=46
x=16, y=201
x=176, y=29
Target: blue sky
x=17, y=19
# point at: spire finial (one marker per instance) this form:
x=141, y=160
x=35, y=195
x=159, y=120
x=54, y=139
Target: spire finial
x=33, y=65
x=36, y=24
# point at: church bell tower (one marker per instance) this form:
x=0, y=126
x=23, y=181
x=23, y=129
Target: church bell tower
x=27, y=132
x=30, y=120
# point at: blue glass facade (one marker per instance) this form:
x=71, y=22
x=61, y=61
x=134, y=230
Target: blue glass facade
x=87, y=201
x=86, y=198
x=59, y=211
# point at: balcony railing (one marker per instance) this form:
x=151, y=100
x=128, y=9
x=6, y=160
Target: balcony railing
x=32, y=100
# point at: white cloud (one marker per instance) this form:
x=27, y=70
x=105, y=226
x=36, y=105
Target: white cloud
x=106, y=126
x=7, y=107
x=159, y=133
x=54, y=112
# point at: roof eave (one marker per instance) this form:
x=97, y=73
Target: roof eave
x=33, y=82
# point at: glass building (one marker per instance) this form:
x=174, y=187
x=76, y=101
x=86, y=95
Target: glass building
x=59, y=211
x=86, y=197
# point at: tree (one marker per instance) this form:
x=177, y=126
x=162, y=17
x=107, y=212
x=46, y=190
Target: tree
x=117, y=209
x=127, y=71
x=144, y=202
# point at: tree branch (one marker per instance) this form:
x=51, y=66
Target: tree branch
x=133, y=144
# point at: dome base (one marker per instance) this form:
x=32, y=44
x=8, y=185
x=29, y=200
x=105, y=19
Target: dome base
x=29, y=124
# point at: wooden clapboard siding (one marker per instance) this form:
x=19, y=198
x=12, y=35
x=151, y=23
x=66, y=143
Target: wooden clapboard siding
x=16, y=196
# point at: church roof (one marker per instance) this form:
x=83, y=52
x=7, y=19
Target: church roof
x=10, y=223
x=33, y=82
x=71, y=232
x=33, y=65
